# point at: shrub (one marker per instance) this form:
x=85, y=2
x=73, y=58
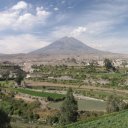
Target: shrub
x=115, y=104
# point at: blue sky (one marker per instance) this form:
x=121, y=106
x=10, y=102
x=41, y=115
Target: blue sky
x=31, y=24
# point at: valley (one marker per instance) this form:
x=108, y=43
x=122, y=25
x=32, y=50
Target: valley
x=63, y=64
x=34, y=86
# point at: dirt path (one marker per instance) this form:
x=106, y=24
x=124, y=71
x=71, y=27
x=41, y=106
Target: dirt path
x=81, y=97
x=25, y=98
x=31, y=83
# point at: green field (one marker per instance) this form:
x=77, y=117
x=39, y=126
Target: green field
x=85, y=105
x=40, y=94
x=115, y=120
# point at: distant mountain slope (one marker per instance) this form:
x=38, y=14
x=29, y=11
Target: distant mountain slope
x=66, y=45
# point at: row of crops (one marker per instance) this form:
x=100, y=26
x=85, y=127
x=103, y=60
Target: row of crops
x=49, y=96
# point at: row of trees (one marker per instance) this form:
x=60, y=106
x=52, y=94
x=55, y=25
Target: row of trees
x=18, y=75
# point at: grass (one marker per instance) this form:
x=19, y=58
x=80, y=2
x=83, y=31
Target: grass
x=40, y=94
x=19, y=124
x=6, y=83
x=115, y=120
x=84, y=105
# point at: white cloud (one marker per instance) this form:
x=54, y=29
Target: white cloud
x=78, y=31
x=19, y=17
x=56, y=9
x=41, y=12
x=20, y=5
x=21, y=44
x=62, y=31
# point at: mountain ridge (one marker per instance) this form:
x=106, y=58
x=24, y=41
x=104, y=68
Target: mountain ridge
x=66, y=45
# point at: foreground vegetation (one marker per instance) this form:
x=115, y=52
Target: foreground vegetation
x=115, y=120
x=88, y=80
x=19, y=108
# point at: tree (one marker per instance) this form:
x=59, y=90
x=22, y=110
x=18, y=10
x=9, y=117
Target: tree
x=124, y=63
x=108, y=65
x=69, y=109
x=5, y=75
x=91, y=68
x=4, y=120
x=20, y=75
